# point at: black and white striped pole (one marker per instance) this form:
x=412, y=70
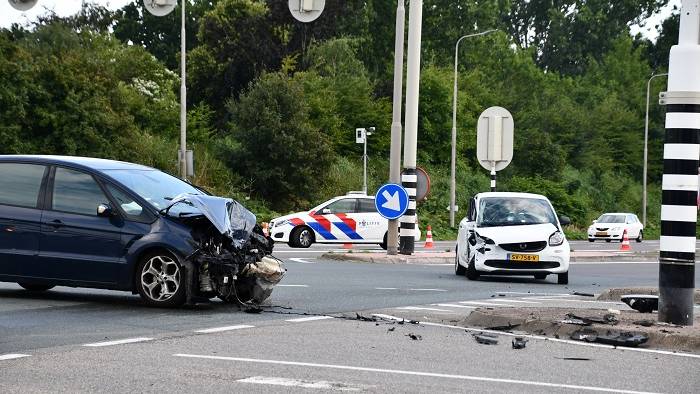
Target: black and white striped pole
x=493, y=177
x=680, y=177
x=410, y=144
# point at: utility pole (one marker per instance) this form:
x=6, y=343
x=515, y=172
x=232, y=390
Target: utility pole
x=409, y=179
x=183, y=96
x=392, y=241
x=680, y=177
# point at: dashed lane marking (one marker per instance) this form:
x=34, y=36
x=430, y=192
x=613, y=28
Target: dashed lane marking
x=412, y=373
x=13, y=356
x=310, y=318
x=385, y=288
x=455, y=306
x=222, y=329
x=321, y=384
x=118, y=342
x=303, y=261
x=484, y=303
x=520, y=301
x=420, y=308
x=427, y=290
x=292, y=285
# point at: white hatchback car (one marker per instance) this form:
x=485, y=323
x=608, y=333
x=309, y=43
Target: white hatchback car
x=611, y=226
x=352, y=218
x=512, y=234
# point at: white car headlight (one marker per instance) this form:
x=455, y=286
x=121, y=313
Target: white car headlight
x=556, y=239
x=615, y=229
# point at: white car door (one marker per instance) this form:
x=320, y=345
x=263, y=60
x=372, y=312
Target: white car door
x=371, y=226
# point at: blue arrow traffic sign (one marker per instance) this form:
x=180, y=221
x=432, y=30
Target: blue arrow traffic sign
x=391, y=201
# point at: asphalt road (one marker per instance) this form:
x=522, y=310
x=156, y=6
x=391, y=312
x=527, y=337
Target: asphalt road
x=268, y=352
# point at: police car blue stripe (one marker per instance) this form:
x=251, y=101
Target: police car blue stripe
x=321, y=231
x=347, y=230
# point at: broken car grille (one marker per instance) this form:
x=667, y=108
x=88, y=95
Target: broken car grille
x=525, y=246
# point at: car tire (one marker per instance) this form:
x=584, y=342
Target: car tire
x=540, y=276
x=160, y=280
x=608, y=240
x=35, y=286
x=591, y=240
x=301, y=237
x=640, y=237
x=460, y=270
x=472, y=273
x=563, y=279
x=384, y=245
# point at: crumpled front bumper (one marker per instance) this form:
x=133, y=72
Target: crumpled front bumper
x=491, y=258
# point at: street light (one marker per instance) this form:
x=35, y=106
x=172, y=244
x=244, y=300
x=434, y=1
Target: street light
x=453, y=182
x=646, y=138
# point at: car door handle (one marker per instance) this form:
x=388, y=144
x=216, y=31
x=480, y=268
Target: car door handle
x=10, y=229
x=56, y=223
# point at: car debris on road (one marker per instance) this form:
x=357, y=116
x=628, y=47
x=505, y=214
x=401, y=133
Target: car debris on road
x=486, y=339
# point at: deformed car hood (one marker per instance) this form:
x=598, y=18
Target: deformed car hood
x=514, y=234
x=228, y=216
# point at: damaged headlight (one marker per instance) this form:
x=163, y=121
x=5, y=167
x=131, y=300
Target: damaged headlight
x=556, y=239
x=486, y=240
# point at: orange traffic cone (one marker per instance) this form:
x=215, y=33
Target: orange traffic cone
x=428, y=238
x=625, y=242
x=265, y=229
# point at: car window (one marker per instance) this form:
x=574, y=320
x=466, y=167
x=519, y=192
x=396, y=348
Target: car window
x=612, y=219
x=630, y=219
x=126, y=203
x=156, y=187
x=514, y=211
x=76, y=192
x=367, y=206
x=471, y=215
x=346, y=205
x=20, y=184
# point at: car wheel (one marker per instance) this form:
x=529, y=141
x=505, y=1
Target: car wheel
x=472, y=273
x=591, y=240
x=608, y=240
x=640, y=237
x=302, y=237
x=384, y=245
x=160, y=280
x=540, y=276
x=563, y=279
x=459, y=268
x=35, y=286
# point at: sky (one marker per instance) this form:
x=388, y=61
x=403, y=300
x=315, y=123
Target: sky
x=9, y=15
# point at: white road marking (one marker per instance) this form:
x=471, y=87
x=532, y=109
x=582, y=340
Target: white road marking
x=518, y=301
x=385, y=288
x=303, y=261
x=419, y=308
x=310, y=318
x=321, y=384
x=118, y=342
x=412, y=373
x=455, y=306
x=292, y=285
x=12, y=356
x=222, y=329
x=388, y=317
x=427, y=290
x=483, y=303
x=584, y=301
x=611, y=262
x=567, y=341
x=542, y=294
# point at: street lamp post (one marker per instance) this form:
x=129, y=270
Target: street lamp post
x=646, y=151
x=453, y=182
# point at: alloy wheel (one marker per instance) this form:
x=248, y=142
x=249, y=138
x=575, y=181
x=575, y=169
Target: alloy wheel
x=160, y=278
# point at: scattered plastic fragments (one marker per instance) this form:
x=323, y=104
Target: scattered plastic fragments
x=486, y=339
x=503, y=328
x=519, y=343
x=615, y=338
x=641, y=302
x=583, y=294
x=573, y=358
x=391, y=329
x=585, y=335
x=415, y=337
x=645, y=323
x=365, y=318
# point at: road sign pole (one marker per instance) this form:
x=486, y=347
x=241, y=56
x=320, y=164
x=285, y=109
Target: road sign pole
x=493, y=177
x=395, y=153
x=680, y=178
x=409, y=179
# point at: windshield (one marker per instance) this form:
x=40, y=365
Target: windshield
x=514, y=211
x=612, y=219
x=156, y=187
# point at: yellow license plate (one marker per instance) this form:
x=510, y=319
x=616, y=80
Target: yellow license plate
x=601, y=234
x=523, y=257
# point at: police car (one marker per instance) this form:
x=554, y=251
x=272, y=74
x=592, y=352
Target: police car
x=352, y=218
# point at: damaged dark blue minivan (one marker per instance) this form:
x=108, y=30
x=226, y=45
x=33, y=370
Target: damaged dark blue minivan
x=86, y=222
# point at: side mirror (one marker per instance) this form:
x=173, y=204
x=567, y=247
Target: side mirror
x=595, y=221
x=105, y=210
x=564, y=220
x=325, y=211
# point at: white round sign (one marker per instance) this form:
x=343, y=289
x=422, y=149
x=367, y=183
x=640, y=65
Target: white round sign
x=306, y=10
x=494, y=138
x=22, y=5
x=160, y=7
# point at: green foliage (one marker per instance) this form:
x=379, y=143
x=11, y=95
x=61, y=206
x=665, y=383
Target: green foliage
x=274, y=143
